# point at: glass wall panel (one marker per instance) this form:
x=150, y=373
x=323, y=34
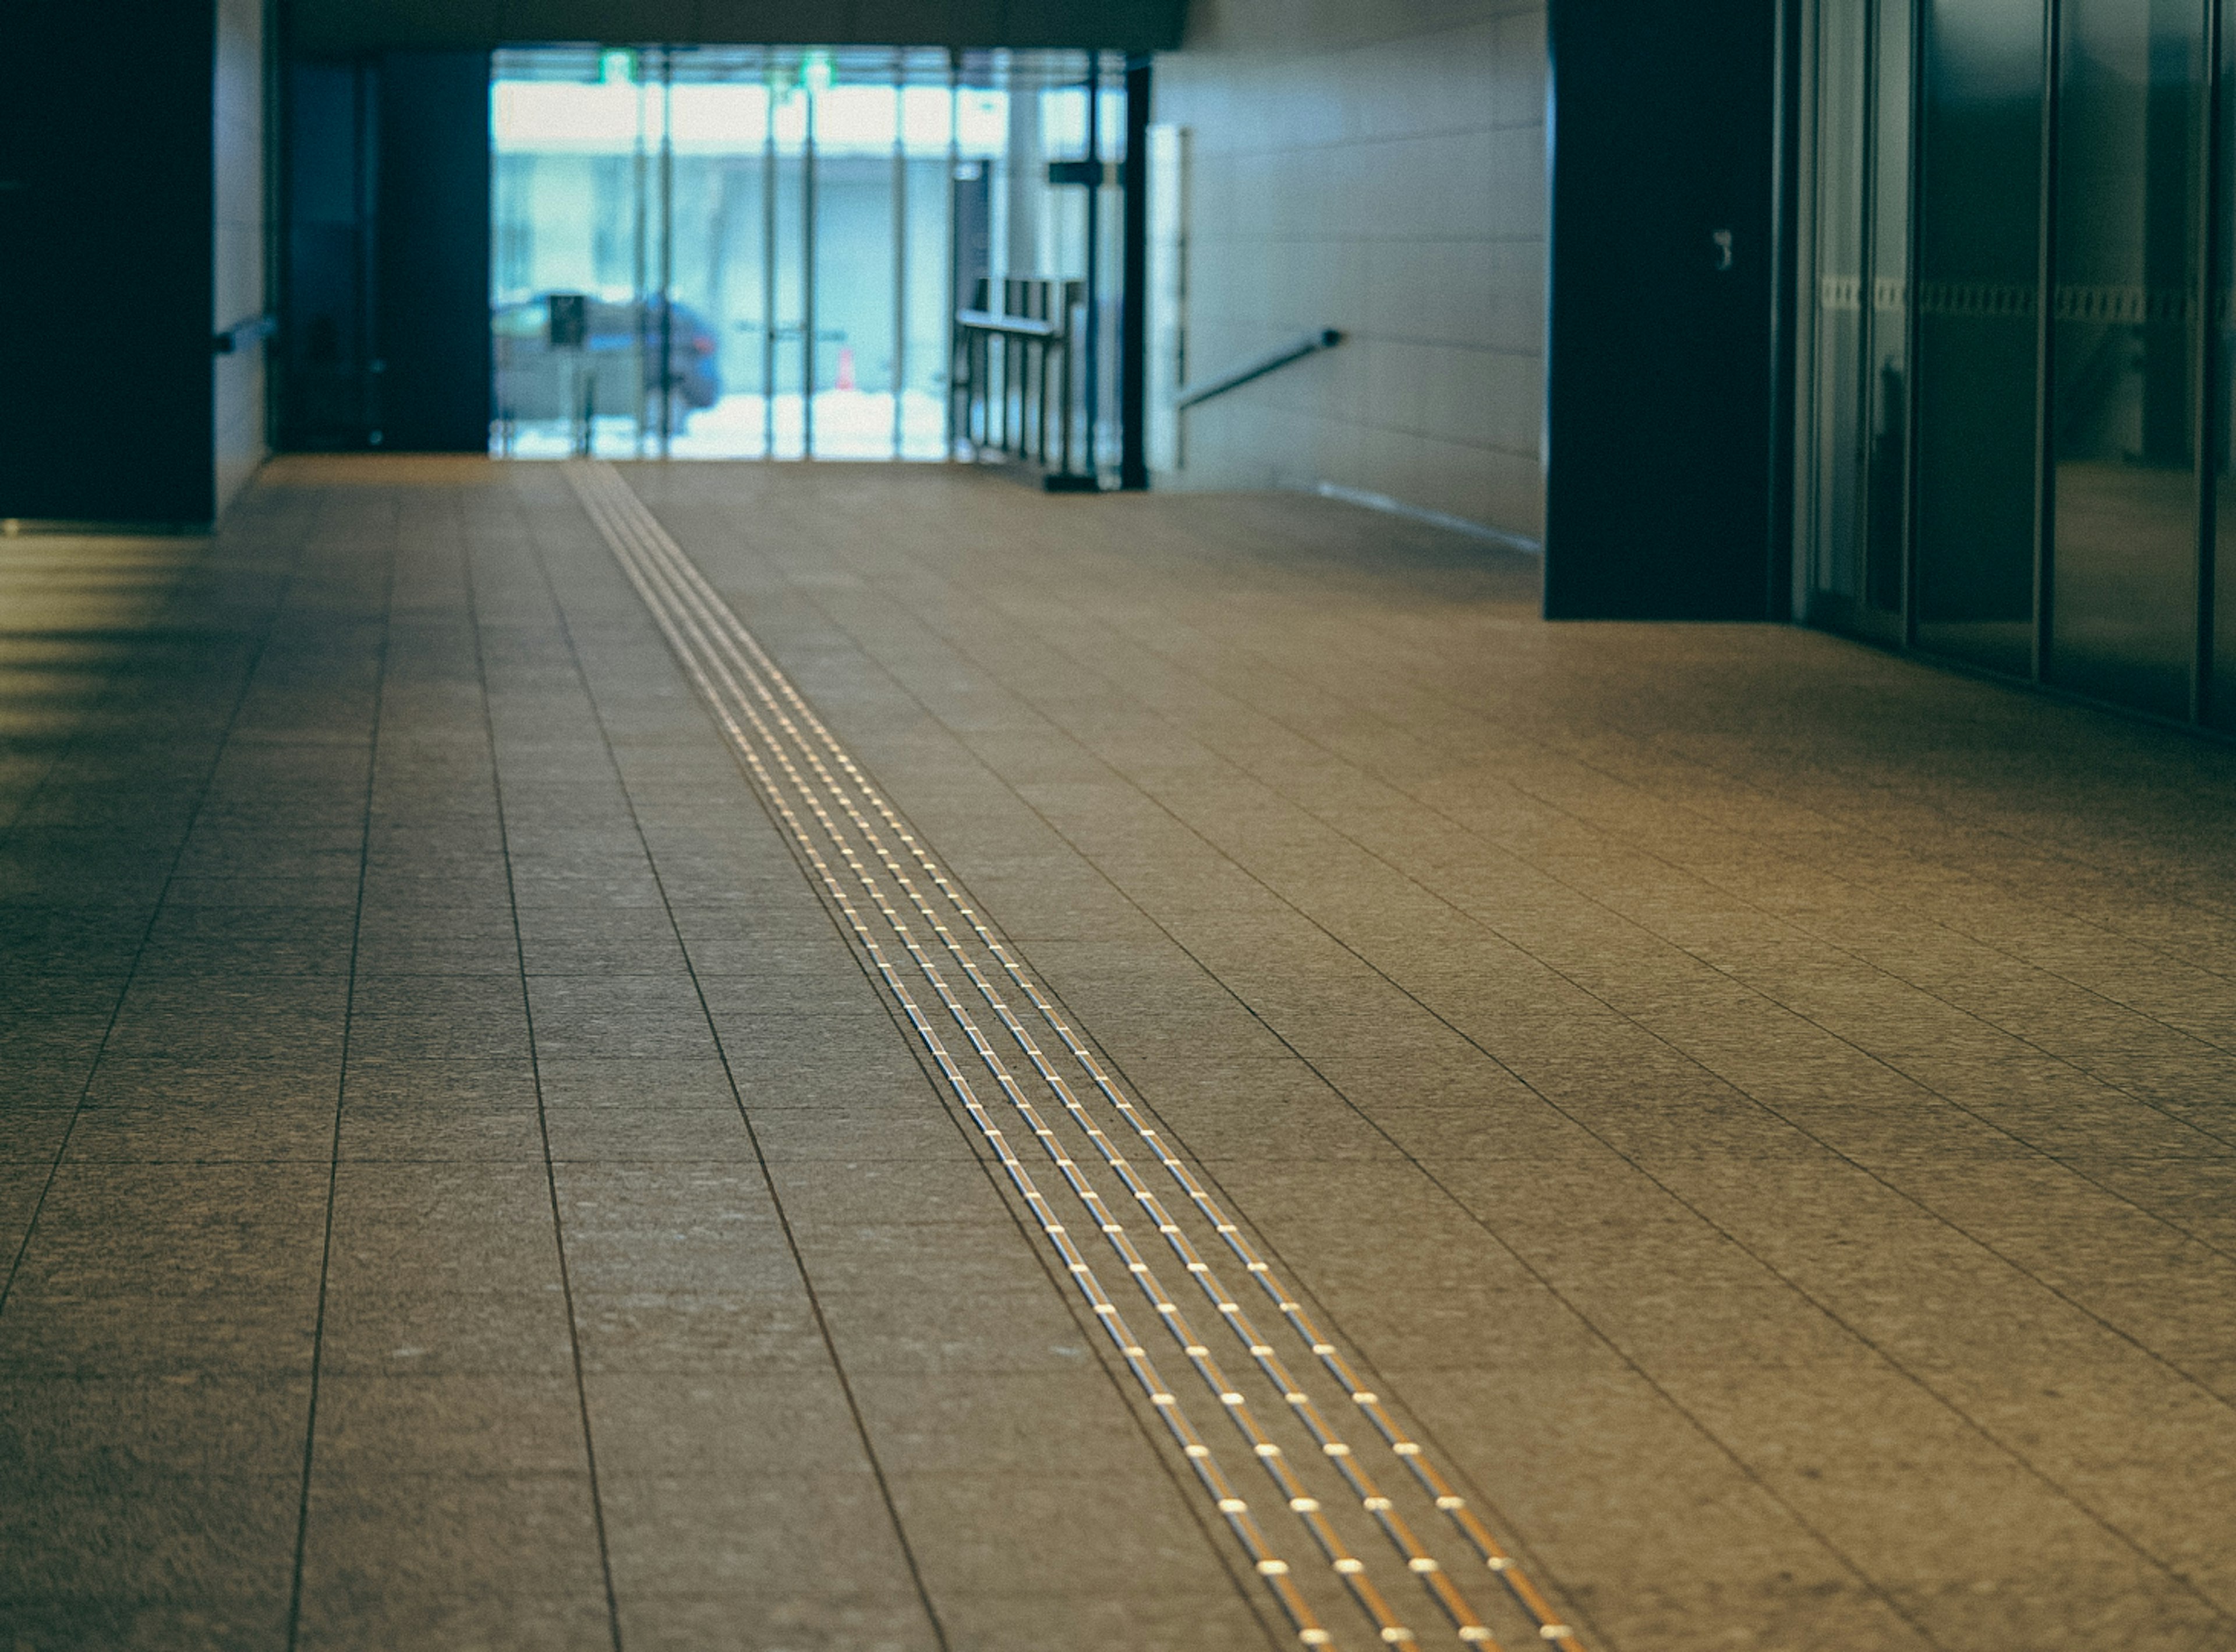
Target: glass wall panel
x=718, y=258
x=1862, y=369
x=1836, y=562
x=1979, y=223
x=2124, y=350
x=685, y=195
x=1951, y=464
x=1886, y=465
x=567, y=185
x=856, y=123
x=927, y=306
x=785, y=413
x=2220, y=700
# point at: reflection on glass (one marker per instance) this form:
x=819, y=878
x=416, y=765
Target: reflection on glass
x=2123, y=611
x=2220, y=703
x=1863, y=243
x=1841, y=79
x=1979, y=229
x=1886, y=462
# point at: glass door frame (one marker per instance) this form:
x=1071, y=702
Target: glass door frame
x=2213, y=286
x=1854, y=615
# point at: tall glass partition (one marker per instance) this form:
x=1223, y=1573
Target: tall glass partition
x=760, y=252
x=2123, y=558
x=1979, y=237
x=1842, y=132
x=2020, y=355
x=2217, y=685
x=1861, y=362
x=1887, y=365
x=751, y=249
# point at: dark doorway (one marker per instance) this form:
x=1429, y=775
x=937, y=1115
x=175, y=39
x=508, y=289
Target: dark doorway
x=1663, y=389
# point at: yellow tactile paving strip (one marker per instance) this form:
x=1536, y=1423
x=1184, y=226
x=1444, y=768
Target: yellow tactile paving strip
x=876, y=871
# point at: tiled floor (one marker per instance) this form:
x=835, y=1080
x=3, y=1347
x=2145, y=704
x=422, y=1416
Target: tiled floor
x=1764, y=1112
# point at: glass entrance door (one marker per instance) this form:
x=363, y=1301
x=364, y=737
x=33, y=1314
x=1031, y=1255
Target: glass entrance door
x=1979, y=345
x=2130, y=155
x=759, y=252
x=1857, y=573
x=2020, y=349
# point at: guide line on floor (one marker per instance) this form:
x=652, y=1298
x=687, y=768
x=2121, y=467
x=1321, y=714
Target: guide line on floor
x=782, y=743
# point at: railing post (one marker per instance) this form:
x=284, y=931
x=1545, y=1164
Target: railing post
x=1093, y=342
x=1063, y=418
x=1041, y=304
x=1023, y=334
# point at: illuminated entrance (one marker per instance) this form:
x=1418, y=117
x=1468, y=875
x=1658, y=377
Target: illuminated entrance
x=760, y=252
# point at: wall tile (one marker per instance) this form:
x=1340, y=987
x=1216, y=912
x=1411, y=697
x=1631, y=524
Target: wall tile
x=1381, y=170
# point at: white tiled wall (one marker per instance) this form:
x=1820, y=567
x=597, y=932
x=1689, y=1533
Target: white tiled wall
x=237, y=238
x=1378, y=167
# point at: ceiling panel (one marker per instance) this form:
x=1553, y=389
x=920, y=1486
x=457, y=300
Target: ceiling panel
x=344, y=27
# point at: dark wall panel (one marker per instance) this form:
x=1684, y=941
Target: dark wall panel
x=105, y=262
x=1661, y=387
x=433, y=252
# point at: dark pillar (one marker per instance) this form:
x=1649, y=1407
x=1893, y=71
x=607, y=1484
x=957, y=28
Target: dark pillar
x=431, y=303
x=1134, y=327
x=106, y=247
x=1662, y=397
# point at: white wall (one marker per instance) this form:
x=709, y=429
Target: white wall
x=1378, y=167
x=237, y=239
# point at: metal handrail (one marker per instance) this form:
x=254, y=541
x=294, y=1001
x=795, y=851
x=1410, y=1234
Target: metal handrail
x=1015, y=326
x=1004, y=358
x=1311, y=345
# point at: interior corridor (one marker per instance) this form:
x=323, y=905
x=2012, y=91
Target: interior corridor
x=1758, y=1115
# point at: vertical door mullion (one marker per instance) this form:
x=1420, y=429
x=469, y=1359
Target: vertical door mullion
x=640, y=253
x=1867, y=306
x=2209, y=426
x=768, y=253
x=1093, y=390
x=667, y=248
x=2045, y=344
x=1912, y=264
x=900, y=242
x=1809, y=323
x=954, y=299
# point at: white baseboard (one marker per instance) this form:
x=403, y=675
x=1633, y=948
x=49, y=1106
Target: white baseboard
x=1383, y=502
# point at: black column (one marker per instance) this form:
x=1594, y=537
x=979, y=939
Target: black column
x=1134, y=327
x=106, y=197
x=1662, y=377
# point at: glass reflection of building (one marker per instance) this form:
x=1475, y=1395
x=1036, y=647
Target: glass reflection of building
x=2016, y=361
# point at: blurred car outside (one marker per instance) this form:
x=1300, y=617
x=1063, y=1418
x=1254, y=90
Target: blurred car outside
x=620, y=356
